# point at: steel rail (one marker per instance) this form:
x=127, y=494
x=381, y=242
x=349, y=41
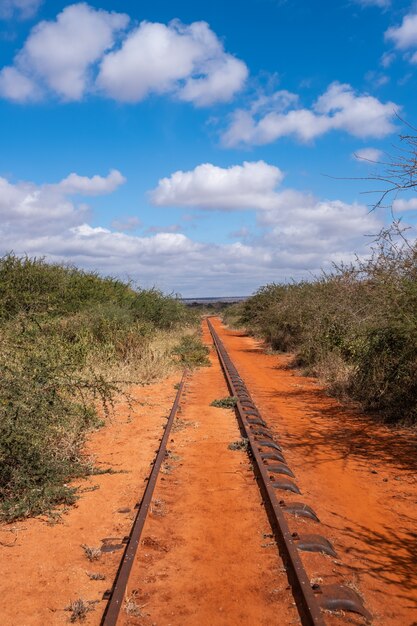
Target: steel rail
x=307, y=604
x=117, y=593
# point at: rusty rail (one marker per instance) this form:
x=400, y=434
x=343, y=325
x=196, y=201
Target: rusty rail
x=310, y=598
x=116, y=595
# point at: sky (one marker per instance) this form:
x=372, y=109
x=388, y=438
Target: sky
x=204, y=149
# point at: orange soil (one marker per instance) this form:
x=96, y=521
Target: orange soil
x=44, y=567
x=360, y=477
x=206, y=557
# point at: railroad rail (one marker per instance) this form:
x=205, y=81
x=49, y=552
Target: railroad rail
x=274, y=477
x=116, y=595
x=269, y=462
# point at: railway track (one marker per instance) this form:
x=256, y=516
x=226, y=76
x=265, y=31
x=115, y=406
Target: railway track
x=281, y=499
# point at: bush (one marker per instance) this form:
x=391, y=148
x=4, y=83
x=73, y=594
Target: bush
x=69, y=340
x=356, y=326
x=191, y=352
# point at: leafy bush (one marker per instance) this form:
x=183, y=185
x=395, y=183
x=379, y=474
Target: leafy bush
x=356, y=326
x=225, y=403
x=191, y=352
x=69, y=340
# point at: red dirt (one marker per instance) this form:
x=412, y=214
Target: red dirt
x=360, y=477
x=205, y=556
x=45, y=567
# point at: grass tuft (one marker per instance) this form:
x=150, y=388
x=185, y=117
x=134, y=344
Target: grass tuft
x=92, y=553
x=240, y=444
x=225, y=403
x=79, y=609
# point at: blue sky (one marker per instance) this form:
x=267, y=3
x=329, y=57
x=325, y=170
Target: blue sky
x=203, y=148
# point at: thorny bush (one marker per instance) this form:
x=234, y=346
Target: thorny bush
x=63, y=335
x=355, y=327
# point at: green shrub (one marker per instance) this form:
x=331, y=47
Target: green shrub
x=65, y=337
x=356, y=326
x=191, y=352
x=225, y=403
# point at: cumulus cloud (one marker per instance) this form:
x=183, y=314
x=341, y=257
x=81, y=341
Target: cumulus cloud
x=97, y=185
x=296, y=234
x=23, y=9
x=401, y=205
x=31, y=208
x=39, y=207
x=247, y=186
x=76, y=53
x=188, y=61
x=316, y=232
x=299, y=231
x=339, y=108
x=405, y=35
x=58, y=54
x=16, y=86
x=369, y=156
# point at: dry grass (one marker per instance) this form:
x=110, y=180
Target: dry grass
x=132, y=607
x=333, y=371
x=148, y=363
x=92, y=553
x=240, y=444
x=79, y=609
x=96, y=576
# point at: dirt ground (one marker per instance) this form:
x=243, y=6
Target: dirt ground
x=207, y=556
x=360, y=477
x=44, y=567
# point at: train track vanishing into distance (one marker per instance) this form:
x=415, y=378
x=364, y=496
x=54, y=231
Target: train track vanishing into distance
x=278, y=488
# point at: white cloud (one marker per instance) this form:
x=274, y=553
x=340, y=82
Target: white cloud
x=58, y=54
x=404, y=36
x=339, y=108
x=369, y=156
x=382, y=4
x=247, y=186
x=188, y=61
x=297, y=234
x=39, y=207
x=16, y=86
x=75, y=54
x=377, y=79
x=299, y=231
x=171, y=228
x=30, y=208
x=23, y=9
x=97, y=185
x=387, y=59
x=405, y=205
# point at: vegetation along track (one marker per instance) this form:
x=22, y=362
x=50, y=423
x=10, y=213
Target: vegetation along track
x=286, y=514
